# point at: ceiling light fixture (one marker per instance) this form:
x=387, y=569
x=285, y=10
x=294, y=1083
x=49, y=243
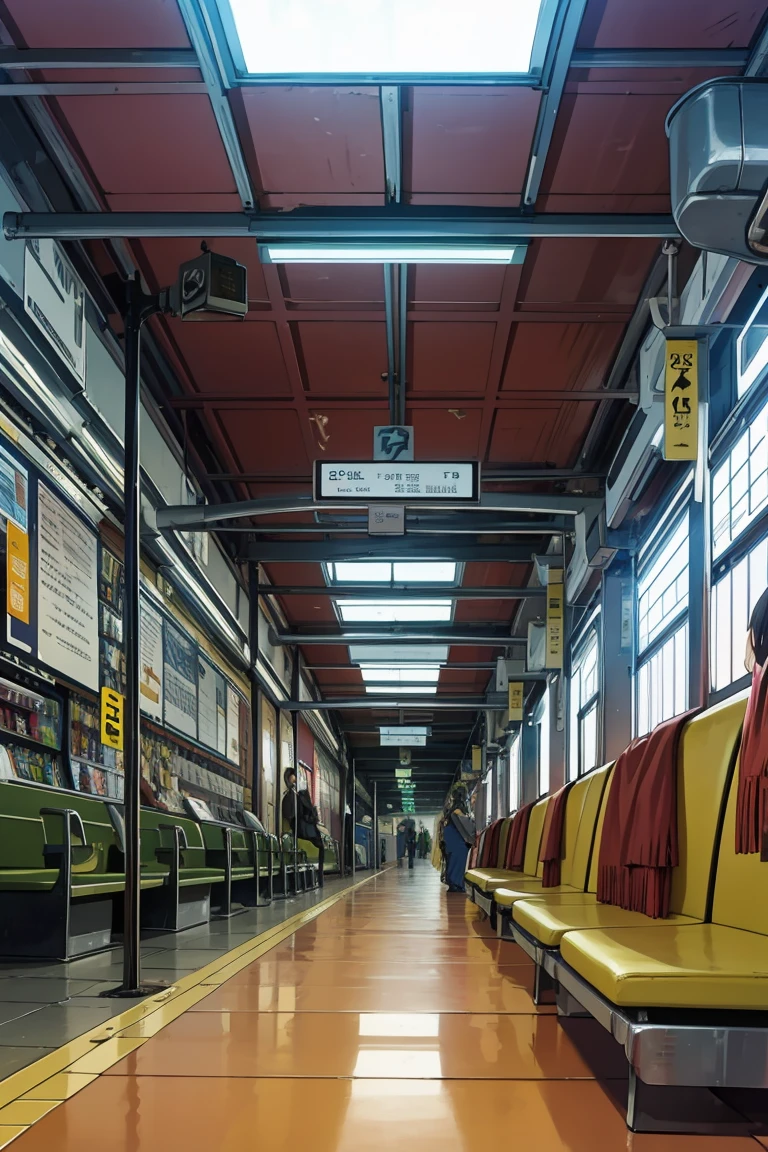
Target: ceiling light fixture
x=391, y=253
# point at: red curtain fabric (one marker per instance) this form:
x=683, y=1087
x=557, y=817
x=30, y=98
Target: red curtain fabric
x=752, y=798
x=638, y=847
x=474, y=851
x=515, y=855
x=491, y=845
x=552, y=842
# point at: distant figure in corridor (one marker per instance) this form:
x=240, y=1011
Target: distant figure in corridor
x=302, y=819
x=402, y=829
x=456, y=836
x=410, y=841
x=423, y=843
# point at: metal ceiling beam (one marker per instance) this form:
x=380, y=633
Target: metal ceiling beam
x=513, y=528
x=381, y=703
x=29, y=59
x=401, y=591
x=389, y=634
x=115, y=88
x=401, y=223
x=549, y=106
x=313, y=551
x=659, y=58
x=203, y=42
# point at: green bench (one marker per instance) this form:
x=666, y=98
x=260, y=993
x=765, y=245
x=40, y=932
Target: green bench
x=244, y=856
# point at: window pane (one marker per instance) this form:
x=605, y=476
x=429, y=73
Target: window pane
x=740, y=485
x=514, y=776
x=663, y=585
x=733, y=598
x=752, y=347
x=394, y=611
x=589, y=740
x=544, y=747
x=361, y=572
x=432, y=571
x=405, y=673
x=739, y=616
x=584, y=686
x=661, y=684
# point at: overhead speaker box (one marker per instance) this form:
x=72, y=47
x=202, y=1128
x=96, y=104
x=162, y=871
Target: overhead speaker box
x=211, y=283
x=719, y=167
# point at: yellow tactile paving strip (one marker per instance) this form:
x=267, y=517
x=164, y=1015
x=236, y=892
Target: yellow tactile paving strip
x=32, y=1092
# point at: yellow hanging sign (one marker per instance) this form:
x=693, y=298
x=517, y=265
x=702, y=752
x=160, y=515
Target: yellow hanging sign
x=515, y=700
x=681, y=400
x=477, y=759
x=554, y=658
x=112, y=718
x=17, y=573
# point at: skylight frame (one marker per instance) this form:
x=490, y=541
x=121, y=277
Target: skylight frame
x=231, y=59
x=402, y=602
x=392, y=581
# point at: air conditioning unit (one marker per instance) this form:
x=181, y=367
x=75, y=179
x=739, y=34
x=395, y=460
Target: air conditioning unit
x=719, y=167
x=536, y=655
x=634, y=463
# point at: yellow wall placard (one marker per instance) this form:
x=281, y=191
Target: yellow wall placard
x=515, y=699
x=681, y=400
x=554, y=618
x=17, y=573
x=477, y=759
x=112, y=718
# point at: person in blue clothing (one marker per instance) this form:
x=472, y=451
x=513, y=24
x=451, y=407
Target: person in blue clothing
x=457, y=836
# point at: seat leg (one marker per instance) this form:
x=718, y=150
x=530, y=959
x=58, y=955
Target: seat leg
x=673, y=1108
x=567, y=1005
x=543, y=987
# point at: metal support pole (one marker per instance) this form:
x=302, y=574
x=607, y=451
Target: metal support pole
x=376, y=864
x=138, y=307
x=296, y=693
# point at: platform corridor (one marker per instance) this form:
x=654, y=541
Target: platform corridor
x=393, y=1019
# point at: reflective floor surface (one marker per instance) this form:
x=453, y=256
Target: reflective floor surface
x=395, y=1017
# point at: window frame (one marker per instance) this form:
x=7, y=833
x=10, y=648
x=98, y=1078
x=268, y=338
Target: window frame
x=590, y=630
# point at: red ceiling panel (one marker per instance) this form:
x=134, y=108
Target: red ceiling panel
x=176, y=202
x=491, y=610
x=445, y=283
x=353, y=284
x=440, y=434
x=604, y=144
x=316, y=140
x=142, y=143
x=545, y=434
x=350, y=432
x=470, y=140
x=451, y=357
x=231, y=358
x=165, y=255
x=342, y=359
x=99, y=23
x=265, y=441
x=665, y=24
x=560, y=356
x=578, y=272
x=299, y=574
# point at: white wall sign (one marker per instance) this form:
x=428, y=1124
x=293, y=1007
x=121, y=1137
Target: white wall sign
x=403, y=737
x=399, y=483
x=207, y=715
x=386, y=520
x=67, y=578
x=151, y=671
x=55, y=299
x=180, y=676
x=233, y=725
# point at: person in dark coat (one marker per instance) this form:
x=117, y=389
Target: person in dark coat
x=457, y=835
x=410, y=841
x=302, y=818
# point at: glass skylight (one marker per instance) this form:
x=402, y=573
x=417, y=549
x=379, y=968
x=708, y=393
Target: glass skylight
x=401, y=690
x=405, y=673
x=386, y=37
x=388, y=572
x=394, y=611
x=391, y=654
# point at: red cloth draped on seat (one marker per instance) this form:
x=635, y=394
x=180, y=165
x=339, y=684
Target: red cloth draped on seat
x=638, y=847
x=491, y=846
x=518, y=832
x=552, y=842
x=752, y=800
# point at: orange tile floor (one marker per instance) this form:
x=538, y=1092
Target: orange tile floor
x=396, y=1017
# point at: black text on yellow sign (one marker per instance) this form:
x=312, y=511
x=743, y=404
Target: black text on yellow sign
x=681, y=400
x=112, y=718
x=515, y=700
x=477, y=759
x=17, y=573
x=555, y=619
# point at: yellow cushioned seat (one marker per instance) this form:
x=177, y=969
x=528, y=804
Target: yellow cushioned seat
x=482, y=877
x=548, y=922
x=488, y=879
x=673, y=966
x=506, y=897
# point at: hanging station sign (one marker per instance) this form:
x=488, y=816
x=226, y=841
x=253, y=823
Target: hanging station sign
x=681, y=400
x=55, y=299
x=515, y=704
x=364, y=481
x=403, y=737
x=554, y=656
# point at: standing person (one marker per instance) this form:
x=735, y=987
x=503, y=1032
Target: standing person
x=410, y=841
x=458, y=834
x=302, y=818
x=421, y=842
x=401, y=831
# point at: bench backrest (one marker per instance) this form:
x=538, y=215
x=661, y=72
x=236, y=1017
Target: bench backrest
x=503, y=841
x=741, y=882
x=581, y=812
x=22, y=841
x=20, y=806
x=705, y=759
x=154, y=837
x=531, y=864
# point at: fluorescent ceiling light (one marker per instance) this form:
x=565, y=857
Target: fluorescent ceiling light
x=395, y=253
x=388, y=572
x=385, y=37
x=394, y=611
x=401, y=689
x=390, y=654
x=413, y=672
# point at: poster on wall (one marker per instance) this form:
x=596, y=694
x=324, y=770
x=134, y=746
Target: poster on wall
x=151, y=662
x=55, y=299
x=233, y=725
x=14, y=480
x=211, y=706
x=180, y=681
x=67, y=579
